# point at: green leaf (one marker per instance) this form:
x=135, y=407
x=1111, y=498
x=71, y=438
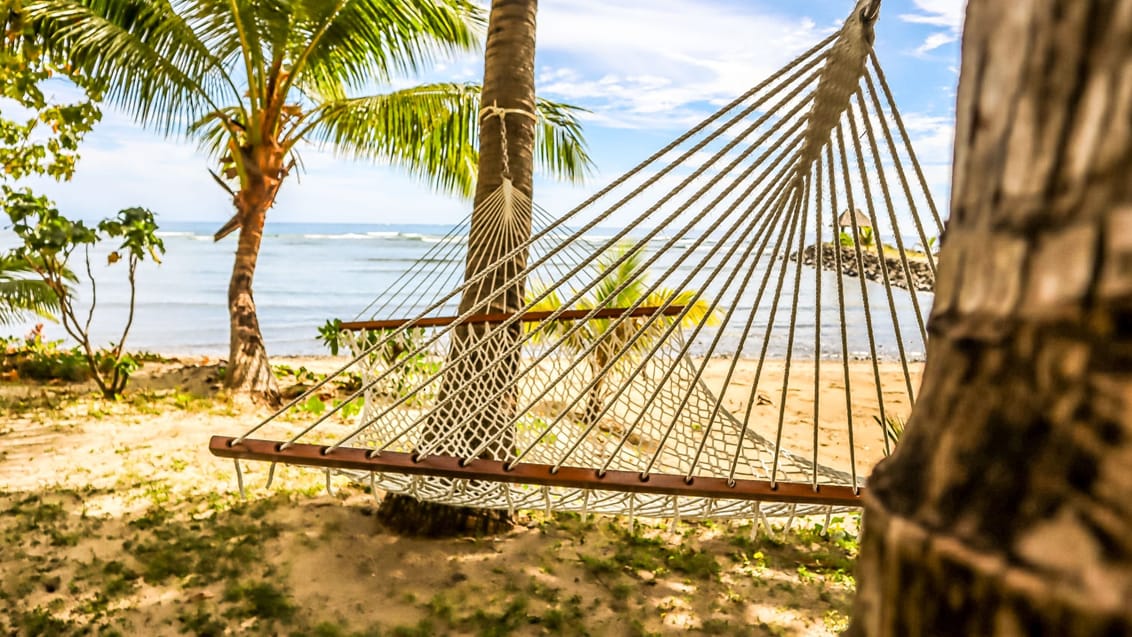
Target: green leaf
x=433, y=130
x=137, y=228
x=23, y=292
x=331, y=335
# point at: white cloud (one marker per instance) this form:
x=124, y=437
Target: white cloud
x=932, y=137
x=934, y=41
x=669, y=59
x=122, y=168
x=947, y=14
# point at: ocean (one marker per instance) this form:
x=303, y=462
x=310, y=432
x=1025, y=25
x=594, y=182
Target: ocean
x=311, y=272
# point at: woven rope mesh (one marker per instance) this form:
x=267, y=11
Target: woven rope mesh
x=688, y=319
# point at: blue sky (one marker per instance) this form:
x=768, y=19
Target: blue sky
x=646, y=69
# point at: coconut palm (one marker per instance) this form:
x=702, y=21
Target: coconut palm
x=253, y=80
x=508, y=82
x=620, y=286
x=23, y=292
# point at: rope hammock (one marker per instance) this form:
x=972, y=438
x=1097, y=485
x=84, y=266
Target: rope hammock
x=614, y=374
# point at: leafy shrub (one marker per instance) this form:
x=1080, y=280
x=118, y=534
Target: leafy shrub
x=49, y=239
x=398, y=349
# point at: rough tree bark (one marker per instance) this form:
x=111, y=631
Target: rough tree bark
x=1007, y=508
x=509, y=82
x=249, y=370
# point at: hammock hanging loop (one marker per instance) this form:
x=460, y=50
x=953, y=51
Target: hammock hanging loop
x=495, y=110
x=871, y=11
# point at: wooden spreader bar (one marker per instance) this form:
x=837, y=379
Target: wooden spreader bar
x=499, y=317
x=525, y=473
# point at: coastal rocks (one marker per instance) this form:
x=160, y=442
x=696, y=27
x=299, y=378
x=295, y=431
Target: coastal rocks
x=922, y=277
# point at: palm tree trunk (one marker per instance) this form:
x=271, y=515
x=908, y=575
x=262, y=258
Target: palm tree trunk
x=248, y=369
x=595, y=400
x=1006, y=508
x=487, y=404
x=595, y=403
x=509, y=82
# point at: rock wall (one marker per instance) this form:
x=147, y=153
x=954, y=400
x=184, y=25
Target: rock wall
x=922, y=277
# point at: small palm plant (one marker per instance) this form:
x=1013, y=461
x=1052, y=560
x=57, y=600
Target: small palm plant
x=23, y=292
x=893, y=428
x=867, y=238
x=621, y=285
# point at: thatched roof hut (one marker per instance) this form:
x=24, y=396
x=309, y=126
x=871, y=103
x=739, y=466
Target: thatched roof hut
x=845, y=221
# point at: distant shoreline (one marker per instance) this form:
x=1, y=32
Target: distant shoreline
x=923, y=276
x=309, y=273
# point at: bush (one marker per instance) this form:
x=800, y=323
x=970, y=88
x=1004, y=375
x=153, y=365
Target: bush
x=34, y=358
x=50, y=239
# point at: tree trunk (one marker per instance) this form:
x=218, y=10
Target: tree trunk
x=595, y=400
x=1007, y=507
x=249, y=370
x=488, y=403
x=509, y=82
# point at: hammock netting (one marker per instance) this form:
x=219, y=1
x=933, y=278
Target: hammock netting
x=537, y=360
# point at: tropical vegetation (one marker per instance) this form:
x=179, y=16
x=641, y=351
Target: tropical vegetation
x=622, y=283
x=865, y=236
x=22, y=292
x=257, y=81
x=49, y=240
x=40, y=137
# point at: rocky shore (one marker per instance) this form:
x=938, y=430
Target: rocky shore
x=922, y=277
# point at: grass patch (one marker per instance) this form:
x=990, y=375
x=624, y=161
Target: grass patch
x=424, y=628
x=36, y=518
x=41, y=622
x=597, y=566
x=262, y=600
x=203, y=551
x=695, y=563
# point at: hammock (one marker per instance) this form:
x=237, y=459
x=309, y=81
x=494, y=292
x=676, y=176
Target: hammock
x=528, y=362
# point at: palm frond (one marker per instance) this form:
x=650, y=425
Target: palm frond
x=22, y=292
x=429, y=130
x=560, y=147
x=25, y=296
x=432, y=131
x=212, y=130
x=152, y=62
x=697, y=308
x=545, y=331
x=626, y=275
x=612, y=335
x=243, y=22
x=338, y=46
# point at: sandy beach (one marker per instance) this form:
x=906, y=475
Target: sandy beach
x=93, y=487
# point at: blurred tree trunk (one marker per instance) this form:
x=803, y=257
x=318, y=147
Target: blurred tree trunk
x=1007, y=507
x=487, y=404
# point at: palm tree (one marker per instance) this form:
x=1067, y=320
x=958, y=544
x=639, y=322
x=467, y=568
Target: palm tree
x=620, y=286
x=509, y=83
x=1005, y=510
x=23, y=292
x=252, y=80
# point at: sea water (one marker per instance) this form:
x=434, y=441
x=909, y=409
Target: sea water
x=309, y=273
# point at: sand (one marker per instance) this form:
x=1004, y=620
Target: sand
x=109, y=466
x=834, y=415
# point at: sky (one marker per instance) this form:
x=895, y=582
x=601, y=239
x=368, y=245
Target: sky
x=647, y=70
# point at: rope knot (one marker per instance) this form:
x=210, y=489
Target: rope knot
x=495, y=110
